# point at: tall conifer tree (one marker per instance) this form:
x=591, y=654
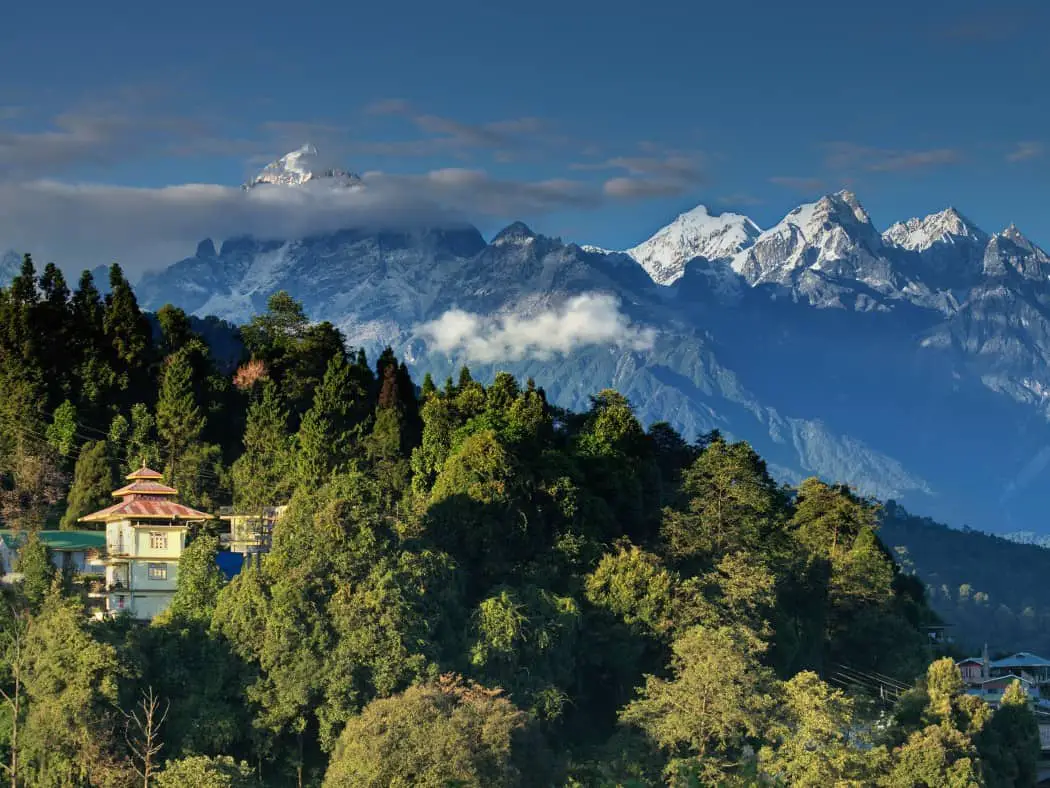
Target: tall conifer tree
x=179, y=419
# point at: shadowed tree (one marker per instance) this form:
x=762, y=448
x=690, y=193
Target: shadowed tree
x=93, y=483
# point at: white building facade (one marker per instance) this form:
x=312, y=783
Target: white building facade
x=145, y=536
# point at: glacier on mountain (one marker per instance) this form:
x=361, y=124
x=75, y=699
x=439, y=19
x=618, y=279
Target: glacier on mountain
x=693, y=234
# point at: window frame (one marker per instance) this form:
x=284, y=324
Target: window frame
x=157, y=571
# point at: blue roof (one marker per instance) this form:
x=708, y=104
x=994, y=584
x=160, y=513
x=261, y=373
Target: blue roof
x=230, y=564
x=1022, y=659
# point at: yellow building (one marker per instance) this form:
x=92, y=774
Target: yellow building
x=145, y=537
x=252, y=534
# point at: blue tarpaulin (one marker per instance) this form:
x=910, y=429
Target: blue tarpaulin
x=229, y=563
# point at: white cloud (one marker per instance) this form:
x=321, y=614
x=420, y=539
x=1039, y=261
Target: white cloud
x=1024, y=151
x=850, y=155
x=85, y=225
x=584, y=320
x=667, y=175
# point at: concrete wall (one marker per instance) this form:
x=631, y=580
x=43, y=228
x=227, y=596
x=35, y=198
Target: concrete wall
x=141, y=580
x=174, y=540
x=140, y=606
x=149, y=606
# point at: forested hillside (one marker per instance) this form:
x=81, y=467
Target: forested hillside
x=988, y=589
x=469, y=587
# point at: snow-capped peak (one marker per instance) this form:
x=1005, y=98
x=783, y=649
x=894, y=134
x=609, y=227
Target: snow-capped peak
x=947, y=226
x=1012, y=233
x=695, y=233
x=299, y=167
x=516, y=233
x=833, y=236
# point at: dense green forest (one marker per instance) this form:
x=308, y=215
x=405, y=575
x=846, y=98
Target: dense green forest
x=988, y=589
x=470, y=586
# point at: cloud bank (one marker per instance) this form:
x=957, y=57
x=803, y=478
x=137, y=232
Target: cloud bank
x=84, y=225
x=589, y=319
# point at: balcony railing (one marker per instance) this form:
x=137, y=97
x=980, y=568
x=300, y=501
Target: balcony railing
x=116, y=548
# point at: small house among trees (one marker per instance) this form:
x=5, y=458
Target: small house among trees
x=145, y=537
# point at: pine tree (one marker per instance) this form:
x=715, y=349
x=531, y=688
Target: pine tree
x=465, y=378
x=24, y=286
x=130, y=337
x=93, y=483
x=330, y=430
x=408, y=405
x=93, y=370
x=262, y=474
x=88, y=309
x=51, y=324
x=175, y=329
x=179, y=419
x=428, y=389
x=133, y=443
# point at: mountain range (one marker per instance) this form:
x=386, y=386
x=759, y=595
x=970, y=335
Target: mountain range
x=913, y=363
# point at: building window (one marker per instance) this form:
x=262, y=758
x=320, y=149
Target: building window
x=157, y=571
x=158, y=541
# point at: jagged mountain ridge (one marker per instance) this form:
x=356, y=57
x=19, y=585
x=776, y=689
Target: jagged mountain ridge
x=792, y=337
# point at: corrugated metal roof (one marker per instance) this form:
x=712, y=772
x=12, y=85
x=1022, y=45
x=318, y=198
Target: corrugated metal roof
x=145, y=473
x=144, y=487
x=146, y=508
x=1022, y=659
x=60, y=540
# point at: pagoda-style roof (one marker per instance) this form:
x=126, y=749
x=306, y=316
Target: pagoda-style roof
x=145, y=473
x=146, y=498
x=135, y=508
x=144, y=487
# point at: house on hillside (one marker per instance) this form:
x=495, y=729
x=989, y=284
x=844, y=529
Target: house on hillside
x=251, y=534
x=75, y=552
x=991, y=690
x=988, y=679
x=145, y=536
x=1033, y=668
x=973, y=669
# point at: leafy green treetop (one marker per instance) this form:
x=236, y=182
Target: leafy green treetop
x=445, y=733
x=202, y=771
x=199, y=581
x=34, y=561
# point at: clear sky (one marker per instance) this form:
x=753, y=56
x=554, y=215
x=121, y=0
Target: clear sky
x=596, y=121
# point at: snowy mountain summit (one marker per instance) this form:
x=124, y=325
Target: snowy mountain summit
x=948, y=227
x=301, y=167
x=693, y=234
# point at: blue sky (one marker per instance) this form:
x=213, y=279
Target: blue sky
x=594, y=121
